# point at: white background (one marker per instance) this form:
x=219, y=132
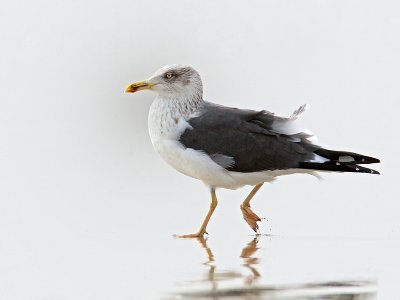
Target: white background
x=87, y=208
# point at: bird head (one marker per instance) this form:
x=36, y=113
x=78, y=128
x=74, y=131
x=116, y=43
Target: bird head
x=174, y=81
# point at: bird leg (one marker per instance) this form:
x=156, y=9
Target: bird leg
x=203, y=227
x=248, y=215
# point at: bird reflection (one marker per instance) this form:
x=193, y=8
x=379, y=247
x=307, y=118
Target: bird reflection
x=208, y=263
x=249, y=262
x=252, y=289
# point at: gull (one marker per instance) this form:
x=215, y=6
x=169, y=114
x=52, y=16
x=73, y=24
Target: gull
x=230, y=148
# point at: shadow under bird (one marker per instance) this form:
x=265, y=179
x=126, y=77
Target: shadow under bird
x=228, y=147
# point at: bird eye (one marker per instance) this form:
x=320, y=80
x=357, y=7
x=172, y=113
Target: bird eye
x=168, y=75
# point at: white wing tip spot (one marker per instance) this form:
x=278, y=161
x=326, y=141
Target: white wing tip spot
x=346, y=158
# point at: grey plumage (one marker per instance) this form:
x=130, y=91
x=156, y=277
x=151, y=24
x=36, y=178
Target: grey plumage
x=249, y=139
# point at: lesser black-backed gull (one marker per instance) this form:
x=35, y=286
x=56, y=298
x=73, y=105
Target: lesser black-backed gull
x=228, y=147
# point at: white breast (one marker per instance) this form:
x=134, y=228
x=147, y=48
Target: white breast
x=165, y=129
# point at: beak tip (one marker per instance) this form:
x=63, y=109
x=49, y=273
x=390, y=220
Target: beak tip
x=138, y=86
x=129, y=89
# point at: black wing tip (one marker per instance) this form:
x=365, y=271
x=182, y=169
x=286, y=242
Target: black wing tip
x=359, y=169
x=376, y=160
x=369, y=160
x=337, y=167
x=375, y=172
x=334, y=155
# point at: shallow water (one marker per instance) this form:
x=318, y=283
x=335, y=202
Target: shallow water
x=75, y=260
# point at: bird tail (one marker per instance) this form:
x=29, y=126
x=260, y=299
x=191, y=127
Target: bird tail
x=341, y=161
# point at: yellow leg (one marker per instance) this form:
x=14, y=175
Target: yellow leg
x=250, y=217
x=202, y=230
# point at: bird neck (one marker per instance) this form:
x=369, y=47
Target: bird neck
x=182, y=105
x=166, y=114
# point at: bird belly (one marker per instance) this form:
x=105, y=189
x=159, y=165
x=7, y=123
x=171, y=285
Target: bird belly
x=194, y=163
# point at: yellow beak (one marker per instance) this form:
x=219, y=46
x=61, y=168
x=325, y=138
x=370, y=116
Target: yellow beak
x=138, y=86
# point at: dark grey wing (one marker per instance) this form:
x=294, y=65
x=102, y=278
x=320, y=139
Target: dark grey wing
x=246, y=137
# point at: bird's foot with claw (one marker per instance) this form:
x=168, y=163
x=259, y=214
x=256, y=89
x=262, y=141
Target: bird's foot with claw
x=250, y=217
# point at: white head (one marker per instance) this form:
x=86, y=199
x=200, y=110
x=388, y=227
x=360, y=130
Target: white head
x=172, y=82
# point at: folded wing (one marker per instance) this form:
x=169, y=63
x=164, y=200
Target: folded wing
x=252, y=141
